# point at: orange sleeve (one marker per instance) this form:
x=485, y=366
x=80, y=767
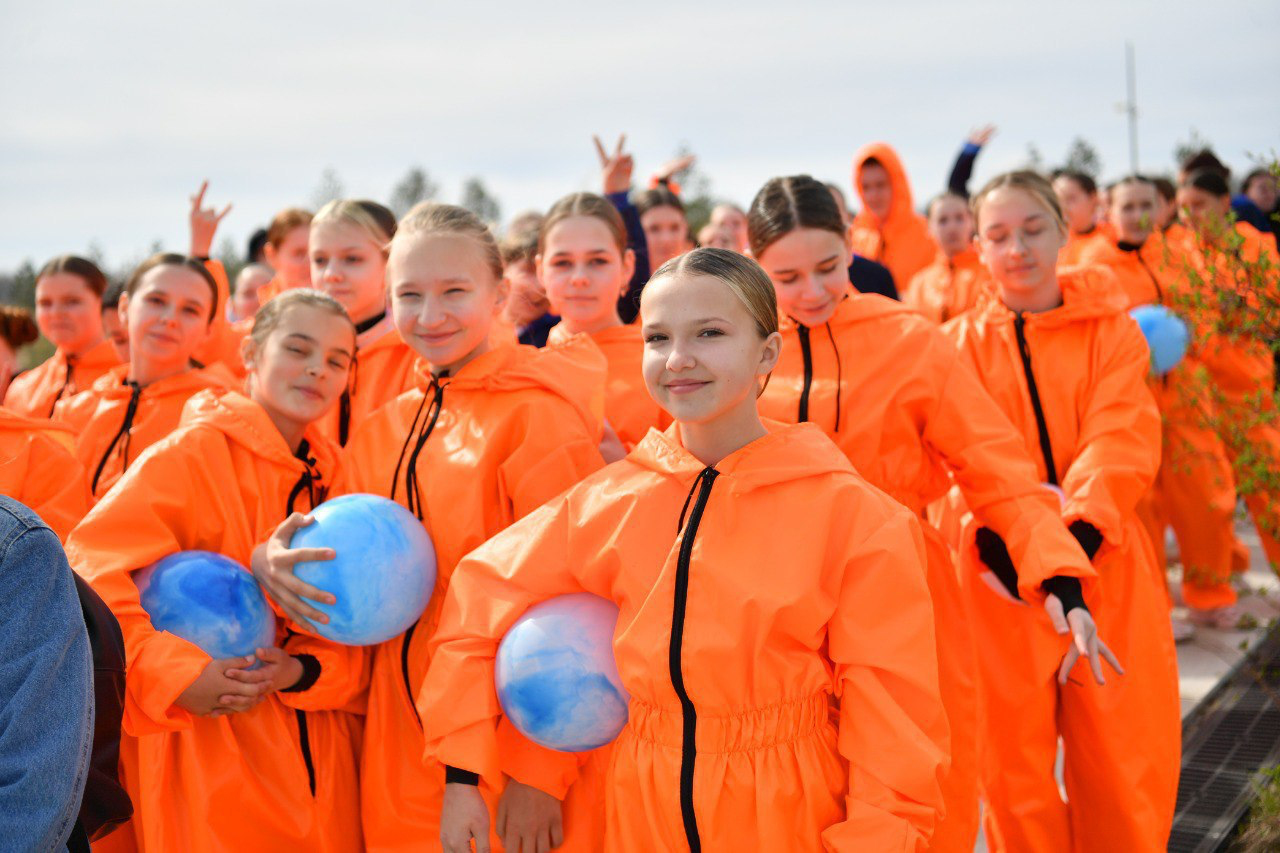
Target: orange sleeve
x=168, y=501
x=882, y=646
x=344, y=675
x=491, y=588
x=989, y=461
x=546, y=463
x=55, y=487
x=1118, y=452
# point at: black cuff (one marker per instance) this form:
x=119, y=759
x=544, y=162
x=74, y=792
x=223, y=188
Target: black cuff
x=995, y=555
x=1087, y=535
x=310, y=674
x=1068, y=591
x=204, y=259
x=458, y=776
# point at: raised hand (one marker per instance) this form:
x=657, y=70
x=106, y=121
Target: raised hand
x=616, y=167
x=204, y=223
x=980, y=136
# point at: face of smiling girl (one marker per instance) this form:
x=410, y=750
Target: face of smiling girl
x=444, y=297
x=167, y=317
x=704, y=357
x=1019, y=239
x=809, y=268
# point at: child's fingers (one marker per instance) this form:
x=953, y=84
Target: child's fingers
x=251, y=676
x=1067, y=663
x=1095, y=663
x=198, y=199
x=293, y=556
x=604, y=158
x=1111, y=658
x=302, y=589
x=291, y=525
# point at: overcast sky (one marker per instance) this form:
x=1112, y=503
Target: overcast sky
x=112, y=113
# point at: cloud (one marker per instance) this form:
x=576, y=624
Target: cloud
x=113, y=113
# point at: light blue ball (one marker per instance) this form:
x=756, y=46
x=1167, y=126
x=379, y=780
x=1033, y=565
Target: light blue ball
x=209, y=600
x=1167, y=336
x=383, y=574
x=556, y=675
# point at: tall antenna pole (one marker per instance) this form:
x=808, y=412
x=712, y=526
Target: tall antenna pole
x=1131, y=106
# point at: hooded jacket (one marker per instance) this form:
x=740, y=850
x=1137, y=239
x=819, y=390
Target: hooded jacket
x=627, y=404
x=283, y=774
x=468, y=454
x=116, y=419
x=729, y=663
x=38, y=469
x=901, y=241
x=36, y=392
x=1073, y=382
x=949, y=286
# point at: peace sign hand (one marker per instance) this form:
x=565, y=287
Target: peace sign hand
x=204, y=223
x=616, y=167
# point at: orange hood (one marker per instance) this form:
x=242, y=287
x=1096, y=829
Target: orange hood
x=1087, y=294
x=574, y=371
x=247, y=424
x=902, y=207
x=789, y=452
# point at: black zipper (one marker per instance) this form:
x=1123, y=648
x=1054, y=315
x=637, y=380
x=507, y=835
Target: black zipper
x=304, y=739
x=126, y=426
x=1046, y=448
x=404, y=670
x=806, y=352
x=688, y=748
x=66, y=383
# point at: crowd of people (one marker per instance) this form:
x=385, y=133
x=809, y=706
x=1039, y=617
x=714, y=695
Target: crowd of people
x=882, y=497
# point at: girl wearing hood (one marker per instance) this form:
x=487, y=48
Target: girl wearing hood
x=731, y=664
x=488, y=433
x=888, y=229
x=884, y=384
x=1059, y=354
x=221, y=756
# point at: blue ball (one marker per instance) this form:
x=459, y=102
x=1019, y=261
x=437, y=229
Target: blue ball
x=209, y=600
x=556, y=676
x=1166, y=334
x=383, y=574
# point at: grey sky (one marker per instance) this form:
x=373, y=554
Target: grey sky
x=111, y=113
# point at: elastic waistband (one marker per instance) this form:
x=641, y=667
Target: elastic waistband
x=742, y=731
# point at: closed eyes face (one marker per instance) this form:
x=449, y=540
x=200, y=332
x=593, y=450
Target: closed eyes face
x=584, y=273
x=303, y=365
x=167, y=316
x=350, y=267
x=1019, y=239
x=809, y=268
x=704, y=358
x=68, y=313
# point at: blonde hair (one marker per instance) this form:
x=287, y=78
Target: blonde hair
x=284, y=222
x=269, y=316
x=376, y=221
x=1032, y=183
x=585, y=204
x=430, y=217
x=739, y=273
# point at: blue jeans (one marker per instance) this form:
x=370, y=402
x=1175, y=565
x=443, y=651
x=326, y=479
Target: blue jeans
x=46, y=692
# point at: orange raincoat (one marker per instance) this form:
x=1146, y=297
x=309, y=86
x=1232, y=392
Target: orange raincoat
x=37, y=469
x=1241, y=365
x=902, y=241
x=1194, y=491
x=1078, y=243
x=382, y=371
x=116, y=420
x=627, y=404
x=284, y=774
x=1121, y=740
x=886, y=386
x=36, y=392
x=948, y=287
x=790, y=582
x=469, y=454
